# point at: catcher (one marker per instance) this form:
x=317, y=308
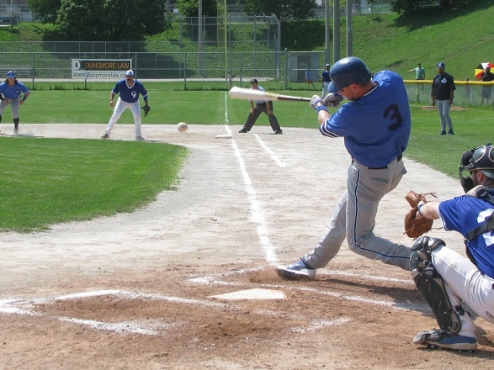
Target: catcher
x=444, y=277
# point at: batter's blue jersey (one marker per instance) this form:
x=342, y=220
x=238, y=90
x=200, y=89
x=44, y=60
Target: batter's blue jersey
x=376, y=127
x=130, y=94
x=464, y=214
x=13, y=92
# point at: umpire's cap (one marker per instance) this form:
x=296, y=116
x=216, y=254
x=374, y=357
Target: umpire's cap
x=10, y=74
x=480, y=158
x=347, y=71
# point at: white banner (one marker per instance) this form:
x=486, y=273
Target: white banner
x=100, y=69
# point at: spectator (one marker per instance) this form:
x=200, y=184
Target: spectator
x=487, y=76
x=308, y=78
x=443, y=92
x=419, y=75
x=468, y=91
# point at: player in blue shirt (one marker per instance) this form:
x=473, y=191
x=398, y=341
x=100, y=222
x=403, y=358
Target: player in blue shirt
x=376, y=127
x=129, y=89
x=326, y=80
x=10, y=93
x=444, y=277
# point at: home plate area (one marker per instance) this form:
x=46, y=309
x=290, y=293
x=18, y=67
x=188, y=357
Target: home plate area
x=202, y=321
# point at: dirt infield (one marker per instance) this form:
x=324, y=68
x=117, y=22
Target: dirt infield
x=136, y=291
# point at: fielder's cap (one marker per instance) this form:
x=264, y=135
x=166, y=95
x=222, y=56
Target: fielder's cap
x=253, y=81
x=10, y=74
x=440, y=65
x=129, y=73
x=327, y=65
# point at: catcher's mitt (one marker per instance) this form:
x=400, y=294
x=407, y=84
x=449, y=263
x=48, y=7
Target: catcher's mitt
x=416, y=227
x=146, y=108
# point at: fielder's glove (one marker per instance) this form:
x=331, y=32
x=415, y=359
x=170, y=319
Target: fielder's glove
x=416, y=227
x=332, y=100
x=146, y=108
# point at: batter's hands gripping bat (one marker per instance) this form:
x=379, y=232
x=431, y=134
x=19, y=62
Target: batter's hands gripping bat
x=146, y=108
x=250, y=94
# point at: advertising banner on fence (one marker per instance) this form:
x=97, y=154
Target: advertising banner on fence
x=100, y=69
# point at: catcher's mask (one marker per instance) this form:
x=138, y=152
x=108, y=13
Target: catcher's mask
x=480, y=158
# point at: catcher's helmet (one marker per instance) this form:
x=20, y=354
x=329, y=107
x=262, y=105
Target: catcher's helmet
x=10, y=74
x=347, y=71
x=480, y=158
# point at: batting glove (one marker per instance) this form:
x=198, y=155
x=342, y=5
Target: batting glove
x=316, y=99
x=332, y=100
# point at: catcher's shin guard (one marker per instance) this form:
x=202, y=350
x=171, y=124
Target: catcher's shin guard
x=431, y=285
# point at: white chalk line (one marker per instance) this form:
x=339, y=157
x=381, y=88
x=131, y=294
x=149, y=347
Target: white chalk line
x=255, y=209
x=399, y=305
x=273, y=156
x=26, y=307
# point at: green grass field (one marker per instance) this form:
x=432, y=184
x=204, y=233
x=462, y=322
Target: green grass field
x=46, y=181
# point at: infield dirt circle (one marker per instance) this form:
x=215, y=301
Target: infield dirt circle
x=137, y=290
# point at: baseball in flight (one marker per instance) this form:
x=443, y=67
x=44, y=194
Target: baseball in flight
x=182, y=127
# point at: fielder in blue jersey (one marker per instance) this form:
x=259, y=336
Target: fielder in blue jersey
x=10, y=93
x=444, y=277
x=129, y=89
x=376, y=127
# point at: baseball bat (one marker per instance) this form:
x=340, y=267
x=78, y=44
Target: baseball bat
x=250, y=94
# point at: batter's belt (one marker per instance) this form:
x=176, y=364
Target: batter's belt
x=398, y=158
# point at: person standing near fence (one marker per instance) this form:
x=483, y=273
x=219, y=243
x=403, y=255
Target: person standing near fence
x=308, y=78
x=487, y=76
x=443, y=93
x=10, y=93
x=419, y=76
x=326, y=79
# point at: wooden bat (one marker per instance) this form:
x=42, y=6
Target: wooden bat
x=250, y=94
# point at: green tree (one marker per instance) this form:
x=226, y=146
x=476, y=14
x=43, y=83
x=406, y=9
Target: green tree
x=190, y=8
x=46, y=10
x=111, y=20
x=285, y=10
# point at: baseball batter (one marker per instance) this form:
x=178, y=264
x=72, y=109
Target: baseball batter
x=376, y=126
x=129, y=89
x=10, y=93
x=444, y=277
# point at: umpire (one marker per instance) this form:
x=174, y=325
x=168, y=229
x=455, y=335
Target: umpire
x=262, y=106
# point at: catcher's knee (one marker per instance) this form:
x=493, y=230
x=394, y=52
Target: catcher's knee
x=430, y=284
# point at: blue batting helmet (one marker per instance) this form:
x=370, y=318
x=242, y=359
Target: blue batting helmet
x=347, y=71
x=10, y=74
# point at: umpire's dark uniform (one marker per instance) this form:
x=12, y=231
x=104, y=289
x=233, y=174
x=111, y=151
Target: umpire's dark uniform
x=260, y=107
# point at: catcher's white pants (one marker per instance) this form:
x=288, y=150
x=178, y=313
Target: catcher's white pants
x=464, y=282
x=120, y=107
